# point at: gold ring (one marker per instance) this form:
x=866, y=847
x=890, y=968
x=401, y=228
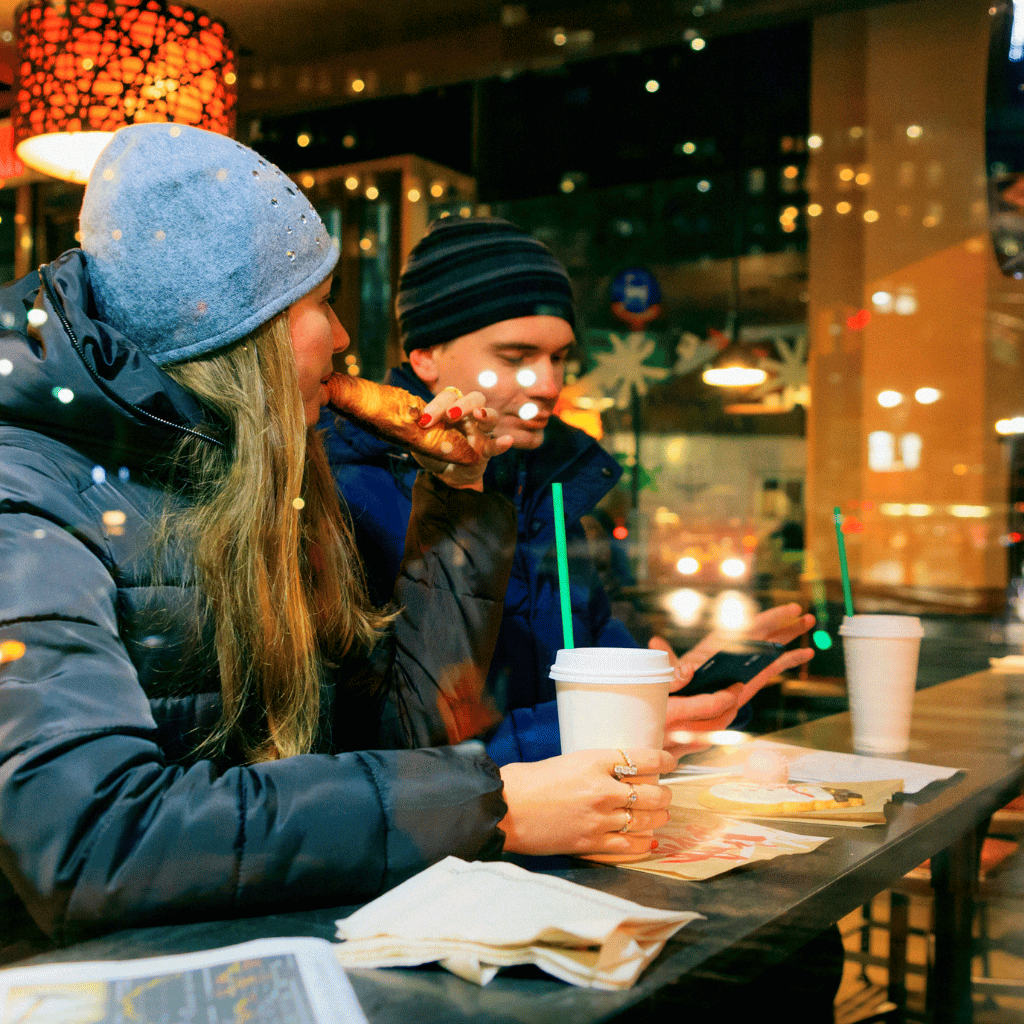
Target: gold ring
x=454, y=390
x=629, y=768
x=631, y=799
x=629, y=821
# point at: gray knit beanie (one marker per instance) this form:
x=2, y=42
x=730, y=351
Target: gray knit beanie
x=467, y=273
x=193, y=240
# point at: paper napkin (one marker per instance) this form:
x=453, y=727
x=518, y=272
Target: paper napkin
x=476, y=918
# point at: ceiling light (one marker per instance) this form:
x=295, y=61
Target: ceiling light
x=88, y=69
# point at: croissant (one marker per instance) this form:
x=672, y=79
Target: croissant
x=393, y=414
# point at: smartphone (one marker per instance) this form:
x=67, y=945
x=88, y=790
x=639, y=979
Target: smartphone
x=734, y=663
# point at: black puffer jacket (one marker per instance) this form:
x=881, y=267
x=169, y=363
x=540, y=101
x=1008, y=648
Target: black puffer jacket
x=105, y=818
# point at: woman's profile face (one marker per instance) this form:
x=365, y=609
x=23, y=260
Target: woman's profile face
x=316, y=334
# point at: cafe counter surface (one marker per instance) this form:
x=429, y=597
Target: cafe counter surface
x=754, y=916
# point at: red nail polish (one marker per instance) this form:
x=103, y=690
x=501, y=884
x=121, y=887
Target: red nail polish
x=654, y=844
x=455, y=412
x=425, y=419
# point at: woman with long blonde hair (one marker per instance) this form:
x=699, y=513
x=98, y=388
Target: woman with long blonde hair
x=209, y=718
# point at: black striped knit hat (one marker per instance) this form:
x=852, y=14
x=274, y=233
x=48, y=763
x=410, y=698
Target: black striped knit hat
x=467, y=273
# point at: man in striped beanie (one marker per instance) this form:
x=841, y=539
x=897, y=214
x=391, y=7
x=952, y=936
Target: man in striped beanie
x=483, y=305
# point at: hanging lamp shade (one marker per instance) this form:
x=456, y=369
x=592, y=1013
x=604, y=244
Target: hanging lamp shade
x=89, y=67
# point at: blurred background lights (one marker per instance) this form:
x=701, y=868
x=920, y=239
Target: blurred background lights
x=567, y=185
x=846, y=174
x=348, y=141
x=734, y=610
x=528, y=411
x=927, y=395
x=821, y=639
x=814, y=210
x=652, y=85
x=559, y=38
x=413, y=195
x=308, y=181
x=99, y=475
x=36, y=317
x=6, y=367
x=358, y=85
x=1010, y=426
x=526, y=378
x=914, y=131
x=688, y=565
x=889, y=399
x=906, y=303
x=703, y=185
x=734, y=376
x=298, y=503
x=843, y=207
x=689, y=148
x=814, y=141
x=882, y=301
x=351, y=183
x=487, y=379
x=733, y=567
x=870, y=216
x=11, y=650
x=697, y=43
x=64, y=395
x=685, y=606
x=437, y=190
x=303, y=140
x=863, y=178
x=372, y=192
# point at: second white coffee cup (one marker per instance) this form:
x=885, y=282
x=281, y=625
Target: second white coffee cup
x=611, y=697
x=881, y=653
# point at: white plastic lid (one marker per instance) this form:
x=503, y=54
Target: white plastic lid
x=898, y=627
x=612, y=665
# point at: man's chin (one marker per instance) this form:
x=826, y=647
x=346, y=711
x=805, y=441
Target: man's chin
x=524, y=438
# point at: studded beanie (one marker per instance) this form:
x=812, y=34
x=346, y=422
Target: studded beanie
x=193, y=240
x=468, y=273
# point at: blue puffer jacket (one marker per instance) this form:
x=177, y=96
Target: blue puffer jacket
x=108, y=817
x=376, y=478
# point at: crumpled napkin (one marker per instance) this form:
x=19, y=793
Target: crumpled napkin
x=477, y=918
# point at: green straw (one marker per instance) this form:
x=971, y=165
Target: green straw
x=563, y=566
x=843, y=568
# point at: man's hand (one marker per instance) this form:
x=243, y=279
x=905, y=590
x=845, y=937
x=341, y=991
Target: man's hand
x=709, y=712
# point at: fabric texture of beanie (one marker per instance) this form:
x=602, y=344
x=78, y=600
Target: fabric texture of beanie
x=193, y=240
x=468, y=273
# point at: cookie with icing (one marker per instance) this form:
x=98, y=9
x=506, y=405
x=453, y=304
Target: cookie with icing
x=736, y=795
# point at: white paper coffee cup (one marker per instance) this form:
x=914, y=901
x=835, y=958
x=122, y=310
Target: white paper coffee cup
x=611, y=697
x=881, y=653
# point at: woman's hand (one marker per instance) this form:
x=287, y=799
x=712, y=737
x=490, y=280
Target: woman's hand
x=575, y=804
x=469, y=414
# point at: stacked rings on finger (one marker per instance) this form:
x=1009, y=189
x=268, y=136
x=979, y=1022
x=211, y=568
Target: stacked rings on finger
x=629, y=820
x=629, y=768
x=631, y=799
x=454, y=390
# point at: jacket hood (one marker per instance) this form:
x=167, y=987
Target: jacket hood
x=66, y=374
